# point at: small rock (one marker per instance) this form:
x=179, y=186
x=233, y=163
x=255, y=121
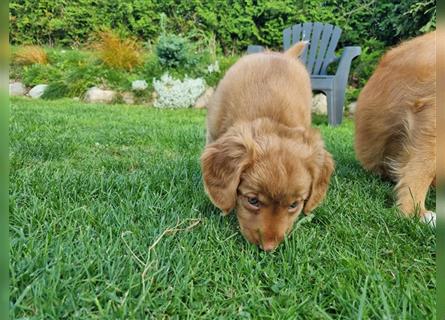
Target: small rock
x=17, y=89
x=351, y=108
x=97, y=95
x=319, y=104
x=150, y=100
x=139, y=85
x=37, y=91
x=128, y=97
x=204, y=99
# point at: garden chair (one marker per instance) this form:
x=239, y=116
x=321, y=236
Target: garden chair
x=317, y=57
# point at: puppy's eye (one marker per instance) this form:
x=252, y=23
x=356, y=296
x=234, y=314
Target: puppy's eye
x=293, y=206
x=253, y=201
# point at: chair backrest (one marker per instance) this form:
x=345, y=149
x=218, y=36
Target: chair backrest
x=320, y=52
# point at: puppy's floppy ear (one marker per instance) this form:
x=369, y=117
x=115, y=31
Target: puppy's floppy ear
x=321, y=168
x=222, y=164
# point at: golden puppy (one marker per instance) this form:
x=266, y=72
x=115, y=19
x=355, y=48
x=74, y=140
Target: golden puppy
x=262, y=157
x=395, y=122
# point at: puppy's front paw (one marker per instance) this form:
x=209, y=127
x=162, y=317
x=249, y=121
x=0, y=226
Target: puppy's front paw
x=429, y=218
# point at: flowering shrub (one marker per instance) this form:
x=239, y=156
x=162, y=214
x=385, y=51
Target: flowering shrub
x=174, y=93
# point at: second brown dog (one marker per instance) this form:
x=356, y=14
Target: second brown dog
x=395, y=121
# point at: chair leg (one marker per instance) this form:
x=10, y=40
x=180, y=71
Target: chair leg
x=339, y=103
x=335, y=99
x=332, y=114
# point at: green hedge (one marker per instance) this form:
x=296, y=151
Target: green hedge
x=231, y=24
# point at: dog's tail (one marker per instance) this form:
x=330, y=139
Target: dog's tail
x=296, y=49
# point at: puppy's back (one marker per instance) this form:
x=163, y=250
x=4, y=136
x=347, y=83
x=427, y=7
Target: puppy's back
x=271, y=85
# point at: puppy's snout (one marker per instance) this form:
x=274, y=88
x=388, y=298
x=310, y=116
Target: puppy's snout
x=266, y=239
x=269, y=245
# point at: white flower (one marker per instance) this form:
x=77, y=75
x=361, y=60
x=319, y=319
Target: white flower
x=174, y=93
x=213, y=67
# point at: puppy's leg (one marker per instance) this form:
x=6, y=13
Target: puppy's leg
x=419, y=169
x=414, y=180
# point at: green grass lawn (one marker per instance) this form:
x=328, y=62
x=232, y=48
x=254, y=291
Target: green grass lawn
x=109, y=219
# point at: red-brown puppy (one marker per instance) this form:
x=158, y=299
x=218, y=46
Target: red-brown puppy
x=262, y=157
x=395, y=122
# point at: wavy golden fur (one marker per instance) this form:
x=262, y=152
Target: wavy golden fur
x=396, y=121
x=262, y=157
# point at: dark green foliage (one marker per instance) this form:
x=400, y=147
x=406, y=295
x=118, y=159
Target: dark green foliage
x=151, y=69
x=66, y=58
x=234, y=24
x=187, y=36
x=85, y=76
x=225, y=63
x=39, y=74
x=73, y=22
x=362, y=68
x=395, y=20
x=116, y=79
x=56, y=90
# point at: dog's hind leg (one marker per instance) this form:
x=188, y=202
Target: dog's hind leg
x=417, y=172
x=413, y=187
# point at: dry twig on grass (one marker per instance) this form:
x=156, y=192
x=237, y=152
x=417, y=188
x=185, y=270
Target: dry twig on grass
x=175, y=229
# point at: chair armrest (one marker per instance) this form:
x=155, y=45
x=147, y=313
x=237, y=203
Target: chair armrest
x=335, y=59
x=346, y=57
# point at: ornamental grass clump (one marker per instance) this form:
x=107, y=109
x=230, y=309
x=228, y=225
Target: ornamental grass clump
x=28, y=55
x=116, y=52
x=174, y=93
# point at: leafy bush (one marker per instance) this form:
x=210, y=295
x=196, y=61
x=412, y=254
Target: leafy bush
x=232, y=24
x=39, y=74
x=224, y=63
x=68, y=58
x=174, y=51
x=83, y=77
x=364, y=66
x=150, y=70
x=116, y=52
x=56, y=90
x=351, y=95
x=31, y=55
x=152, y=67
x=71, y=23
